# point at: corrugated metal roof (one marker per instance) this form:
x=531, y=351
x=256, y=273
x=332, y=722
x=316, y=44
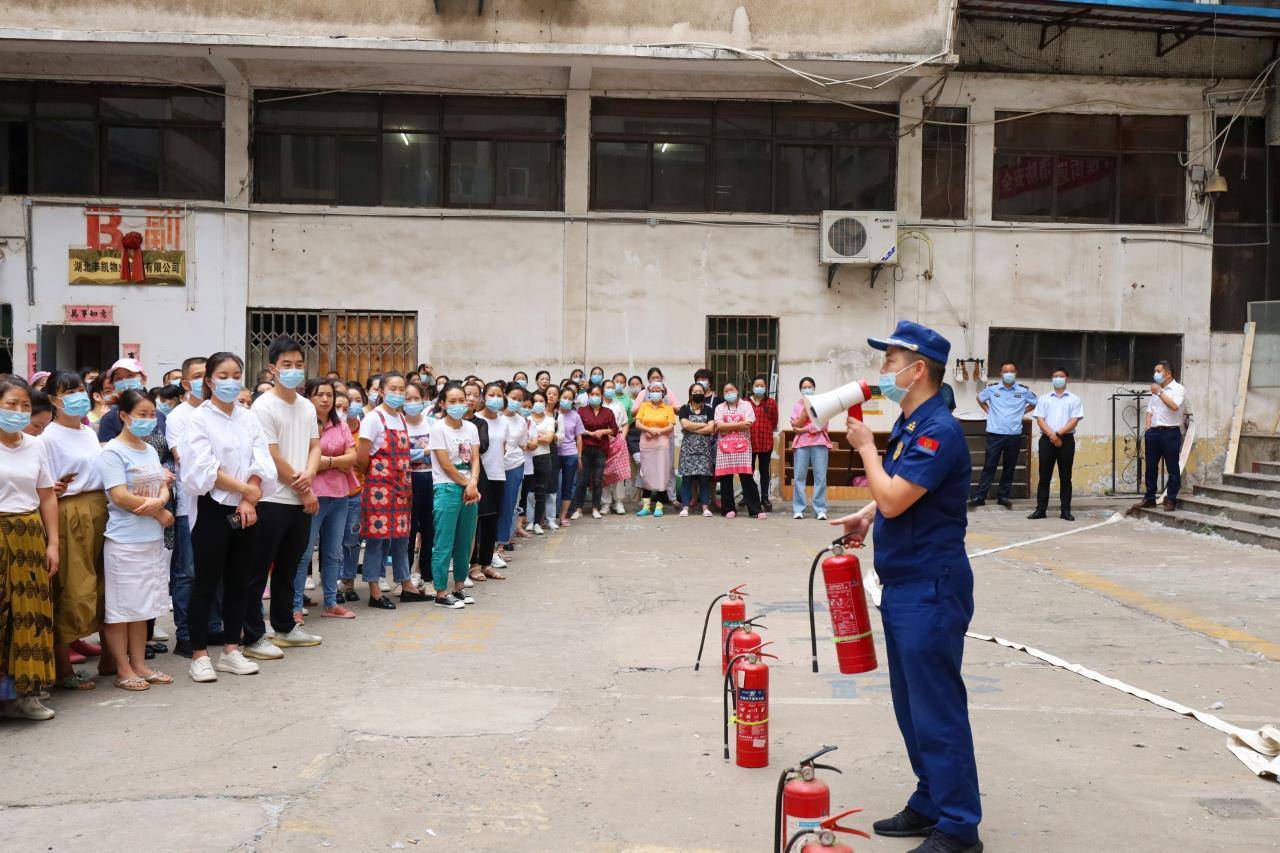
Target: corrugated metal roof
x=1176, y=17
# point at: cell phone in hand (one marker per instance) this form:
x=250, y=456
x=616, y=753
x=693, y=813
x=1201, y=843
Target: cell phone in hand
x=234, y=521
x=67, y=478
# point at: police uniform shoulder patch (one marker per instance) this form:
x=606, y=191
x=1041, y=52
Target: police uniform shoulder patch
x=928, y=445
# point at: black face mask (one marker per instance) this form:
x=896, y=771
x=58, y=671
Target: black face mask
x=697, y=398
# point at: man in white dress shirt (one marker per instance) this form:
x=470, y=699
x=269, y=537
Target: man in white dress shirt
x=1057, y=413
x=1164, y=435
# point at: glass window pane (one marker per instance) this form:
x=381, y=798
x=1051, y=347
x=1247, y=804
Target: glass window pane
x=865, y=178
x=358, y=170
x=1058, y=350
x=132, y=161
x=743, y=171
x=66, y=157
x=679, y=176
x=410, y=112
x=411, y=169
x=1158, y=133
x=66, y=100
x=802, y=180
x=1148, y=349
x=504, y=115
x=620, y=176
x=13, y=157
x=944, y=164
x=1058, y=132
x=645, y=117
x=527, y=175
x=470, y=172
x=743, y=118
x=1239, y=274
x=15, y=99
x=196, y=106
x=1107, y=357
x=1013, y=345
x=1023, y=187
x=193, y=162
x=824, y=122
x=1086, y=188
x=292, y=167
x=1152, y=189
x=342, y=110
x=134, y=103
x=1243, y=164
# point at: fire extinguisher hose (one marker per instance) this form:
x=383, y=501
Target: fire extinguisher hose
x=706, y=622
x=730, y=694
x=777, y=809
x=813, y=628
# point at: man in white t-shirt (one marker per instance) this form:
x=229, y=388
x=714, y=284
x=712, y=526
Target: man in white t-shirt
x=182, y=567
x=1165, y=411
x=288, y=421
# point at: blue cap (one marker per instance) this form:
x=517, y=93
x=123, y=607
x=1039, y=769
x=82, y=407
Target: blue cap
x=919, y=339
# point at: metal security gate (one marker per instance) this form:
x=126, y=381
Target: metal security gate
x=355, y=344
x=738, y=348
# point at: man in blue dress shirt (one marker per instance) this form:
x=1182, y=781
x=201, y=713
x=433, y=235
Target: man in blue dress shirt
x=919, y=492
x=1005, y=403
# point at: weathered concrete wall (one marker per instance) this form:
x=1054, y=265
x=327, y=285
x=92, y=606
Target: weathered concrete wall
x=809, y=26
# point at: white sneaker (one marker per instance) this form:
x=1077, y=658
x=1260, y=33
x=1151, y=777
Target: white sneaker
x=822, y=516
x=233, y=662
x=383, y=585
x=619, y=509
x=468, y=583
x=298, y=637
x=538, y=531
x=577, y=514
x=684, y=512
x=28, y=708
x=595, y=513
x=528, y=528
x=798, y=515
x=159, y=634
x=264, y=649
x=498, y=562
x=202, y=670
x=310, y=584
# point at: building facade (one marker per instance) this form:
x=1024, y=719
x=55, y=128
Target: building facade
x=497, y=186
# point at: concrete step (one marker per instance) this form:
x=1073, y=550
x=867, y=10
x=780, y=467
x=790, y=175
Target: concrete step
x=1265, y=482
x=1271, y=468
x=1194, y=522
x=1241, y=495
x=1245, y=512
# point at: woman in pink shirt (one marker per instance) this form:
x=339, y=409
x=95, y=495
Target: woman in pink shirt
x=812, y=446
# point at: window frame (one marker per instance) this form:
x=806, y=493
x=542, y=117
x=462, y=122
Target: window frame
x=444, y=138
x=714, y=109
x=1115, y=154
x=956, y=113
x=1136, y=375
x=767, y=324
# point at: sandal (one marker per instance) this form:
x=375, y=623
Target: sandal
x=134, y=685
x=157, y=677
x=476, y=575
x=77, y=681
x=493, y=573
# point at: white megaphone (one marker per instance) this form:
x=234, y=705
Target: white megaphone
x=824, y=407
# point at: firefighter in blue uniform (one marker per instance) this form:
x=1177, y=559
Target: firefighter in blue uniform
x=918, y=521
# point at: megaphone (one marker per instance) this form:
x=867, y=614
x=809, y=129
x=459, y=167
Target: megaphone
x=824, y=407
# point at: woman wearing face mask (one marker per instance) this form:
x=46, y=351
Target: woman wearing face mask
x=373, y=389
x=383, y=456
x=515, y=443
x=441, y=383
x=168, y=398
x=134, y=556
x=28, y=559
x=492, y=483
x=766, y=424
x=617, y=466
x=656, y=420
x=225, y=461
x=98, y=395
x=542, y=429
x=455, y=470
x=73, y=451
x=598, y=429
x=697, y=462
x=126, y=374
x=520, y=380
x=568, y=448
x=421, y=527
x=358, y=404
x=351, y=525
x=811, y=449
x=733, y=422
x=334, y=481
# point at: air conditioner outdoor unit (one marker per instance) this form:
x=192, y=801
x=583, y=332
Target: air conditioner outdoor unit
x=859, y=237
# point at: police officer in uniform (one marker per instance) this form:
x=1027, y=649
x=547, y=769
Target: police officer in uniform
x=918, y=521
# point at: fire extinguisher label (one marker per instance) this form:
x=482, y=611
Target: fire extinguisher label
x=844, y=618
x=796, y=824
x=750, y=695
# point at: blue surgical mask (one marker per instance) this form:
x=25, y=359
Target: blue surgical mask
x=597, y=378
x=731, y=397
x=165, y=408
x=522, y=383
x=566, y=403
x=1009, y=378
x=513, y=405
x=759, y=390
x=582, y=398
x=889, y=388
x=227, y=390
x=608, y=392
x=373, y=397
x=1059, y=382
x=12, y=422
x=1158, y=377
x=176, y=383
x=142, y=427
x=594, y=399
x=292, y=378
x=355, y=411
x=539, y=408
x=457, y=411
x=133, y=383
x=414, y=408
x=524, y=413
x=495, y=404
x=76, y=404
x=197, y=388
x=655, y=396
x=394, y=401
x=807, y=392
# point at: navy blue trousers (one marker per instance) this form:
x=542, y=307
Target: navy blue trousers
x=1000, y=449
x=924, y=626
x=1163, y=443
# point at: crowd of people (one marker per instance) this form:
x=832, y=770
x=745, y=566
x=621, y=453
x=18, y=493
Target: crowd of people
x=231, y=504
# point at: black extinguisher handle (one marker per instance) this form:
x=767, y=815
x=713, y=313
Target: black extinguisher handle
x=746, y=623
x=706, y=622
x=777, y=809
x=809, y=759
x=813, y=628
x=730, y=693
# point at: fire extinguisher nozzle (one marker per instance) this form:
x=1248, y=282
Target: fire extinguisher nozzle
x=815, y=664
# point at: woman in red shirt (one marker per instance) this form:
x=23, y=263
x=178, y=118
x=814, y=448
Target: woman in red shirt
x=599, y=426
x=762, y=430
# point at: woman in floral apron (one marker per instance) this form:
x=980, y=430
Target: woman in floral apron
x=733, y=452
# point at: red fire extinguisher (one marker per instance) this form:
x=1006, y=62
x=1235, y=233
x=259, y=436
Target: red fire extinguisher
x=826, y=836
x=747, y=684
x=803, y=800
x=732, y=612
x=742, y=638
x=847, y=601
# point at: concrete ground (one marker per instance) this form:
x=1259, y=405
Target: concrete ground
x=561, y=712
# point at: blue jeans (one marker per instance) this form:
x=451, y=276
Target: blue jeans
x=510, y=497
x=182, y=573
x=328, y=526
x=375, y=551
x=695, y=489
x=568, y=480
x=810, y=458
x=351, y=540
